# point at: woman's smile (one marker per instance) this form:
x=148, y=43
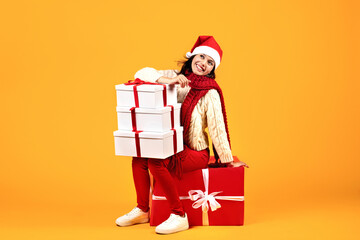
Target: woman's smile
x=199, y=67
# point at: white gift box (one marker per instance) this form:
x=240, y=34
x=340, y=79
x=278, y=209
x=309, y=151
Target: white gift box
x=151, y=120
x=150, y=96
x=152, y=145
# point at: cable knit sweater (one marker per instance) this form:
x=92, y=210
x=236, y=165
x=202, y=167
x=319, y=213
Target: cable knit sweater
x=207, y=113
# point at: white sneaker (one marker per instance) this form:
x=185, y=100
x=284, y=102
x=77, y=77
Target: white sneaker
x=135, y=216
x=173, y=224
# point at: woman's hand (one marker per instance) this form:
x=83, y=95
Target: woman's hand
x=237, y=164
x=179, y=79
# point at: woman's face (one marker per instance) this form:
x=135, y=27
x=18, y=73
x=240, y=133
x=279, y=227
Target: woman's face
x=202, y=64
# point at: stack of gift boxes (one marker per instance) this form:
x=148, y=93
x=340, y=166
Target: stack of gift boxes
x=149, y=126
x=148, y=120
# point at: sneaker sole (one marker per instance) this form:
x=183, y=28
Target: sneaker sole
x=186, y=227
x=133, y=223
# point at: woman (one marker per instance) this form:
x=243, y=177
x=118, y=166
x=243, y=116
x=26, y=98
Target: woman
x=203, y=106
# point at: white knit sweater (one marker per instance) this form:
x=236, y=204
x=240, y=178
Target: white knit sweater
x=207, y=113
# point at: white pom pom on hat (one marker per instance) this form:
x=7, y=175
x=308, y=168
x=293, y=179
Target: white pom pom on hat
x=188, y=55
x=207, y=45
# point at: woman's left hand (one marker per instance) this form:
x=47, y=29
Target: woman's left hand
x=237, y=164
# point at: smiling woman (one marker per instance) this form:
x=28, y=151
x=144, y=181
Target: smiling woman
x=202, y=107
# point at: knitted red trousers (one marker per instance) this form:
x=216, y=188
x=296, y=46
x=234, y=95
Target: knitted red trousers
x=158, y=167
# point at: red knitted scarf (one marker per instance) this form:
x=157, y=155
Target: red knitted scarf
x=200, y=85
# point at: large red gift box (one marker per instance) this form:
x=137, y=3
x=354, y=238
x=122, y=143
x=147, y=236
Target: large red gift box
x=211, y=196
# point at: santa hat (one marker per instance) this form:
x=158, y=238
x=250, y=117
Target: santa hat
x=208, y=46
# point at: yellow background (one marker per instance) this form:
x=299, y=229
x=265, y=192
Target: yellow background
x=290, y=76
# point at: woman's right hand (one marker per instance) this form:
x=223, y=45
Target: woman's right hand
x=179, y=79
x=182, y=80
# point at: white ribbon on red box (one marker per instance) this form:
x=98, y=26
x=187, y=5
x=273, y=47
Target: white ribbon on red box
x=204, y=199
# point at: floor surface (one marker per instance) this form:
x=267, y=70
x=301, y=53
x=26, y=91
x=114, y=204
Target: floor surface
x=321, y=220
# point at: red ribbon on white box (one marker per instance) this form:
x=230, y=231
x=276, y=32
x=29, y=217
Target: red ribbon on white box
x=137, y=143
x=137, y=82
x=172, y=128
x=204, y=199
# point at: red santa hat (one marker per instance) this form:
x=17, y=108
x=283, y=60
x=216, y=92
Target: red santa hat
x=208, y=46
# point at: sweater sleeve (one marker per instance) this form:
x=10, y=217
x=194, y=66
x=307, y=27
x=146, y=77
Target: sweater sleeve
x=216, y=126
x=152, y=75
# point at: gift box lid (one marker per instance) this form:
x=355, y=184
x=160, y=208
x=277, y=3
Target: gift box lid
x=144, y=87
x=157, y=135
x=159, y=110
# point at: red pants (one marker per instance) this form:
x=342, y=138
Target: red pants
x=158, y=167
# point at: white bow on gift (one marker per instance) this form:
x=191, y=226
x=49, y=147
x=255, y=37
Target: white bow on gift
x=202, y=199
